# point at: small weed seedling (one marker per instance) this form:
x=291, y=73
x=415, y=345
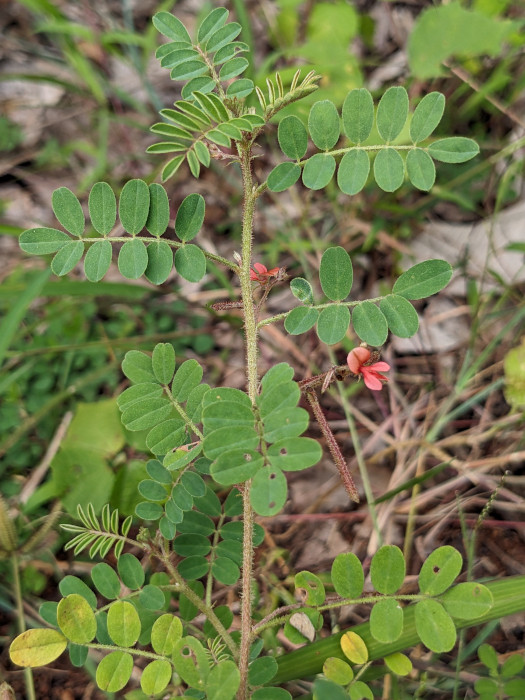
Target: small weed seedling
x=204, y=440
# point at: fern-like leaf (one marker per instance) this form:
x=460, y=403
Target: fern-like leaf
x=99, y=539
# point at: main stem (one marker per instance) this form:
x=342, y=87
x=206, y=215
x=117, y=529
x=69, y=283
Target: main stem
x=250, y=335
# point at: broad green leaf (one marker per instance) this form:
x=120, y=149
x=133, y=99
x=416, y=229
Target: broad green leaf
x=283, y=176
x=279, y=373
x=424, y=279
x=146, y=414
x=512, y=666
x=262, y=670
x=37, y=647
x=223, y=681
x=300, y=320
x=73, y=585
x=488, y=656
x=229, y=51
x=336, y=273
x=338, y=670
x=41, y=241
x=398, y=663
x=134, y=206
x=467, y=601
x=76, y=619
x=353, y=171
x=225, y=439
x=347, y=575
x=191, y=662
x=190, y=262
x=68, y=211
x=203, y=84
x=137, y=367
x=102, y=207
x=434, y=626
x=202, y=153
x=233, y=68
x=173, y=513
x=325, y=688
x=302, y=625
x=230, y=130
x=230, y=549
x=333, y=323
x=160, y=262
x=171, y=167
x=294, y=454
x=312, y=584
x=114, y=671
x=170, y=26
x=455, y=149
x=97, y=260
x=130, y=571
x=48, y=612
x=271, y=694
x=190, y=217
x=163, y=362
x=213, y=106
x=427, y=116
x=421, y=170
x=156, y=677
x=211, y=23
x=227, y=413
x=275, y=397
x=148, y=511
x=389, y=169
x=354, y=648
x=468, y=33
x=188, y=70
x=318, y=171
x=400, y=315
x=370, y=323
x=151, y=490
x=193, y=483
x=302, y=290
x=166, y=436
x=392, y=113
x=358, y=115
x=439, y=571
x=192, y=545
x=324, y=125
x=269, y=491
x=159, y=210
x=240, y=88
x=223, y=36
x=187, y=610
x=180, y=458
x=123, y=623
x=194, y=402
x=290, y=422
x=293, y=137
x=386, y=620
x=106, y=580
x=177, y=56
x=187, y=377
x=181, y=497
x=133, y=259
x=387, y=569
x=225, y=570
x=195, y=522
x=219, y=137
x=165, y=633
x=78, y=654
x=67, y=257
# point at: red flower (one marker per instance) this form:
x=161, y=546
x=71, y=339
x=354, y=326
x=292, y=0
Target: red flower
x=357, y=359
x=261, y=274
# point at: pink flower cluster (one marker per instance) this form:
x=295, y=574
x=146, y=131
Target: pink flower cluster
x=357, y=362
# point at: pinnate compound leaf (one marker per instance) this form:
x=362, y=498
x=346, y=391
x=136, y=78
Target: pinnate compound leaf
x=97, y=260
x=134, y=206
x=354, y=648
x=41, y=241
x=336, y=273
x=133, y=259
x=76, y=619
x=434, y=626
x=332, y=324
x=427, y=116
x=37, y=647
x=401, y=316
x=160, y=262
x=293, y=137
x=269, y=491
x=324, y=125
x=163, y=362
x=370, y=323
x=347, y=575
x=300, y=320
x=358, y=115
x=318, y=171
x=392, y=113
x=353, y=171
x=467, y=601
x=455, y=149
x=312, y=584
x=190, y=262
x=439, y=571
x=211, y=23
x=130, y=571
x=102, y=207
x=114, y=671
x=421, y=169
x=123, y=623
x=168, y=25
x=68, y=211
x=67, y=257
x=398, y=663
x=387, y=569
x=283, y=176
x=159, y=210
x=386, y=620
x=156, y=676
x=424, y=279
x=165, y=633
x=389, y=169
